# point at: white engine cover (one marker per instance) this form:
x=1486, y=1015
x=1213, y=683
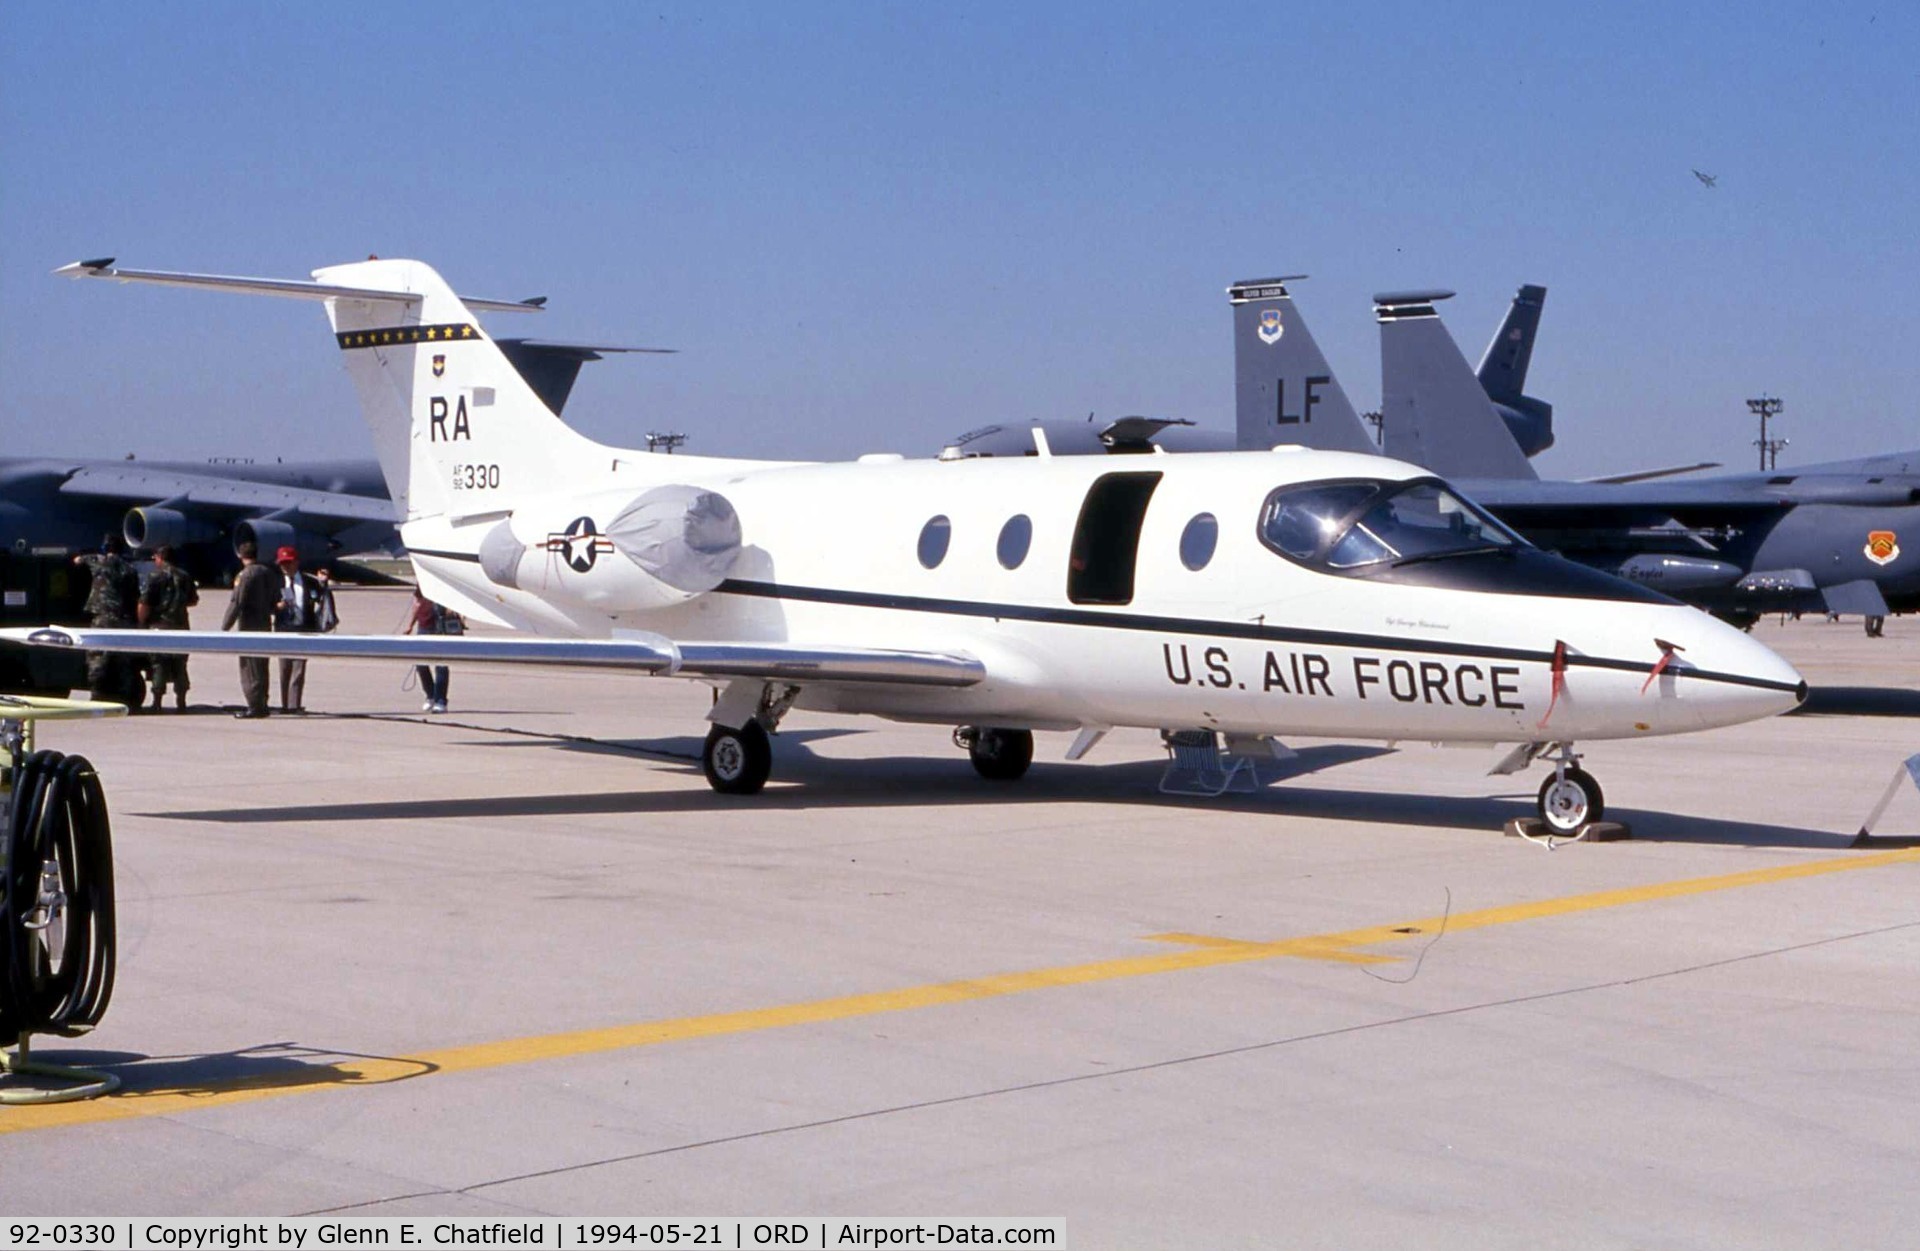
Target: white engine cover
x=667, y=546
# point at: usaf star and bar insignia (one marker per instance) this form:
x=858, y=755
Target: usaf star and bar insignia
x=580, y=544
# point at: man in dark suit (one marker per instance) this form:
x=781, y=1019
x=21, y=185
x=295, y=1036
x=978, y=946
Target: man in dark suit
x=302, y=608
x=256, y=592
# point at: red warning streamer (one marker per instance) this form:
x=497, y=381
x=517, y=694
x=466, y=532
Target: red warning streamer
x=1667, y=651
x=1559, y=679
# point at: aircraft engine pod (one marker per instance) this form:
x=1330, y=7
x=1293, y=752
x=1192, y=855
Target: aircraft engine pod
x=676, y=542
x=269, y=536
x=164, y=527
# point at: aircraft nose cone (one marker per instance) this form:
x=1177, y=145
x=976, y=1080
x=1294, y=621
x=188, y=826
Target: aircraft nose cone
x=1740, y=678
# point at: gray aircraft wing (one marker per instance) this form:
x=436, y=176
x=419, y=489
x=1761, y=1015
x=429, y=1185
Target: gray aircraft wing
x=638, y=651
x=1503, y=494
x=1434, y=410
x=133, y=483
x=1284, y=390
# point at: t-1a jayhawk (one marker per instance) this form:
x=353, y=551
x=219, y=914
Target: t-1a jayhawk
x=1243, y=594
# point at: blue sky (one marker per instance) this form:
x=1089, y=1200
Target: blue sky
x=870, y=227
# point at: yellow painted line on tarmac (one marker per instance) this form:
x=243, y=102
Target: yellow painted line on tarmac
x=1196, y=952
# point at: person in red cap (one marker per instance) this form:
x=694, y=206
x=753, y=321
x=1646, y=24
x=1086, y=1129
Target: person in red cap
x=305, y=607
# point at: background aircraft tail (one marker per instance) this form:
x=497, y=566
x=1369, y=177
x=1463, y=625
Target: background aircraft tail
x=1503, y=373
x=1284, y=391
x=1435, y=412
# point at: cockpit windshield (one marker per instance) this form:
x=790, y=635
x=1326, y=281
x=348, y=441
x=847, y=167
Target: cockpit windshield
x=1360, y=526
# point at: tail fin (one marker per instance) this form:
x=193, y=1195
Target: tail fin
x=456, y=427
x=1503, y=369
x=1284, y=391
x=1503, y=373
x=1434, y=411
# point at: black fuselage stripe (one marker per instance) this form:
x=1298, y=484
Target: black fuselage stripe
x=1211, y=629
x=1184, y=625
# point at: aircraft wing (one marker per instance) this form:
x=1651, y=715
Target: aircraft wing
x=138, y=485
x=638, y=651
x=1504, y=494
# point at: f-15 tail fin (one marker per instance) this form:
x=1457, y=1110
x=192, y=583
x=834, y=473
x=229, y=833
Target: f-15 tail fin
x=1503, y=368
x=457, y=428
x=1284, y=391
x=1434, y=410
x=1503, y=373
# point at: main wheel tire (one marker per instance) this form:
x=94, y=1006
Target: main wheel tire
x=1570, y=801
x=1001, y=755
x=737, y=762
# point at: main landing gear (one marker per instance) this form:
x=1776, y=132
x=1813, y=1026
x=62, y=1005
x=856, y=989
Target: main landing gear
x=1569, y=799
x=737, y=762
x=999, y=755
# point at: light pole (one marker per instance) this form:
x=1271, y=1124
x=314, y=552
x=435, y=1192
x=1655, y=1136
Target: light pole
x=1766, y=408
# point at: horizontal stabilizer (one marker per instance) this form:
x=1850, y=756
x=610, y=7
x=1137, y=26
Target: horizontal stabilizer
x=1862, y=596
x=552, y=368
x=289, y=288
x=639, y=652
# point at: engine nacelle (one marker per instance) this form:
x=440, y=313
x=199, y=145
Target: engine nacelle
x=667, y=546
x=165, y=527
x=269, y=536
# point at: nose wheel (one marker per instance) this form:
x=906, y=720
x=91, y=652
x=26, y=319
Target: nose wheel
x=1570, y=799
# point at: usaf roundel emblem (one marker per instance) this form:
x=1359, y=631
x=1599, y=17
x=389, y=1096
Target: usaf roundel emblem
x=1883, y=547
x=1270, y=327
x=580, y=544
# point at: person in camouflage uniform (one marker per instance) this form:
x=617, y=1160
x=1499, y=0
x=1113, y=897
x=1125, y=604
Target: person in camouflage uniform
x=170, y=592
x=110, y=605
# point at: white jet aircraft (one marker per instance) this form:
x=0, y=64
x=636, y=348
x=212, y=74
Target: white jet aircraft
x=1244, y=594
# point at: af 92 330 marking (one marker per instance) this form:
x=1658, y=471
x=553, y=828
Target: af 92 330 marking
x=1466, y=683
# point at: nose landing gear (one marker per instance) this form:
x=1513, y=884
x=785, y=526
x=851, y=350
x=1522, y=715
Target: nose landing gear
x=1569, y=799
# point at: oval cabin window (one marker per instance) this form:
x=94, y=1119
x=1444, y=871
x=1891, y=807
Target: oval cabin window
x=1197, y=541
x=1015, y=538
x=934, y=537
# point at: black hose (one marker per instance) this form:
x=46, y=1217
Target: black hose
x=59, y=817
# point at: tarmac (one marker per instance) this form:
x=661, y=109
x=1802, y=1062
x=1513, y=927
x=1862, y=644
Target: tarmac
x=519, y=959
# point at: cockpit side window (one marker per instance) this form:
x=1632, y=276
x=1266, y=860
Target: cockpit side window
x=1355, y=527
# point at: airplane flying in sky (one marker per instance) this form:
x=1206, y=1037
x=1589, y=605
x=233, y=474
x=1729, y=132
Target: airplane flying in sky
x=1243, y=596
x=1707, y=180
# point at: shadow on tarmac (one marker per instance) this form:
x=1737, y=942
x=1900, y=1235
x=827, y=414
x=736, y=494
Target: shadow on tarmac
x=268, y=1066
x=1859, y=701
x=804, y=781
